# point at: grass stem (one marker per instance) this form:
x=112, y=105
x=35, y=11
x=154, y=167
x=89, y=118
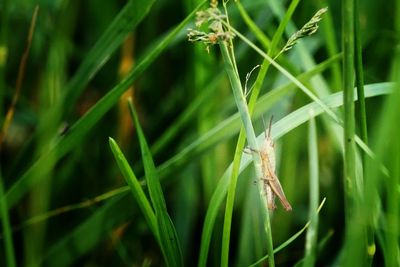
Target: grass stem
x=312, y=232
x=355, y=243
x=251, y=138
x=362, y=111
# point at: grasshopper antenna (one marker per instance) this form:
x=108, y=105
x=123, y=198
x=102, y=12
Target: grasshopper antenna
x=265, y=129
x=269, y=127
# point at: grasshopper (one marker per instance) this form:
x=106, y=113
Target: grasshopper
x=272, y=186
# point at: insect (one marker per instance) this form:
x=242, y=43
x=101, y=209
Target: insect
x=272, y=186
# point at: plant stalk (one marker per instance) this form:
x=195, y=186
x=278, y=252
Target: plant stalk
x=354, y=250
x=251, y=137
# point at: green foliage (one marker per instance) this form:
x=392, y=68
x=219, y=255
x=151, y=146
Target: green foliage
x=165, y=228
x=135, y=186
x=188, y=193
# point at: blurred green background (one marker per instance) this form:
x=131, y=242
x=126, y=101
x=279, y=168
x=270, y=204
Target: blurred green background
x=63, y=196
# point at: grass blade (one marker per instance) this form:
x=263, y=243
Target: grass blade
x=135, y=187
x=360, y=75
x=312, y=232
x=361, y=107
x=355, y=240
x=5, y=222
x=167, y=233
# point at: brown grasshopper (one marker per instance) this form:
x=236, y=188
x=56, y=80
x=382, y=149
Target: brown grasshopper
x=272, y=186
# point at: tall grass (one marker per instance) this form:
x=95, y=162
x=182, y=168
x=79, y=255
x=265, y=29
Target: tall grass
x=179, y=188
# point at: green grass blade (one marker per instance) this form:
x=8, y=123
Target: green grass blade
x=312, y=232
x=348, y=103
x=135, y=186
x=361, y=108
x=6, y=233
x=167, y=233
x=81, y=128
x=328, y=28
x=359, y=71
x=231, y=198
x=395, y=64
x=355, y=240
